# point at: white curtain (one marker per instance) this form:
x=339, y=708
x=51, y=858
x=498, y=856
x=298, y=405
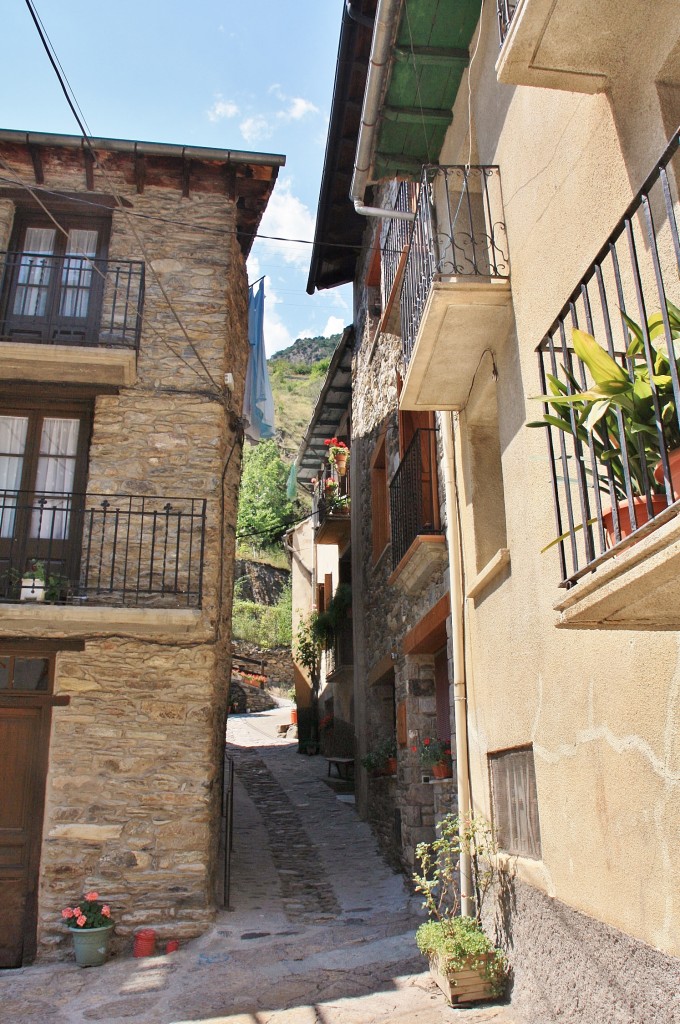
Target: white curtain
x=30, y=298
x=76, y=278
x=55, y=474
x=13, y=430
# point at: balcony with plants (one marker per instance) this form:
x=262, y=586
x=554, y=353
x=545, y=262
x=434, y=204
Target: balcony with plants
x=610, y=380
x=64, y=555
x=69, y=318
x=331, y=496
x=455, y=294
x=418, y=544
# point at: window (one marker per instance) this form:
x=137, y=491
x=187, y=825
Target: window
x=515, y=802
x=379, y=500
x=43, y=465
x=55, y=280
x=25, y=674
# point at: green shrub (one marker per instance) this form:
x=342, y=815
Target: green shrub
x=266, y=626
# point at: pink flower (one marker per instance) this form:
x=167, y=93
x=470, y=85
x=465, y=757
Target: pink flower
x=106, y=910
x=77, y=911
x=92, y=895
x=67, y=913
x=80, y=921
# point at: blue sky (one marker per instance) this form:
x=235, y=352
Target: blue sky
x=254, y=75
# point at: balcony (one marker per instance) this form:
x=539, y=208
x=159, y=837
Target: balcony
x=580, y=46
x=70, y=319
x=331, y=503
x=393, y=257
x=113, y=550
x=615, y=482
x=455, y=295
x=418, y=546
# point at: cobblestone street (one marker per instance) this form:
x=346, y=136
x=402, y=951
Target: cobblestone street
x=320, y=930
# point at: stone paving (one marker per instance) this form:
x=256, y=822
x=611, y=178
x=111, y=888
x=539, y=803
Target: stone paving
x=319, y=930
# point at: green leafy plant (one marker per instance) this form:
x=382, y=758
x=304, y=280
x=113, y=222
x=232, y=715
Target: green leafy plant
x=458, y=942
x=591, y=415
x=54, y=585
x=336, y=448
x=431, y=751
x=375, y=760
x=89, y=912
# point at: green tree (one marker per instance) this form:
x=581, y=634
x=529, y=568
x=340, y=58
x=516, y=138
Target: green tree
x=264, y=511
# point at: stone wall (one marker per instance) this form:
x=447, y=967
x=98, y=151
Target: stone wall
x=260, y=582
x=132, y=799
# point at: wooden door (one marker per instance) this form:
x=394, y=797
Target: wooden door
x=25, y=714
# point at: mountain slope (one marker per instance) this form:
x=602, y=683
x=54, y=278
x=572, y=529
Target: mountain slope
x=297, y=375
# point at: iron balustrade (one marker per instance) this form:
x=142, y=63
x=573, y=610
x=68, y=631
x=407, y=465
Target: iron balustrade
x=414, y=495
x=605, y=475
x=331, y=496
x=396, y=239
x=102, y=548
x=71, y=300
x=459, y=231
x=506, y=12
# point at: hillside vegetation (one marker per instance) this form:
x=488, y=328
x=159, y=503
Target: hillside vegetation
x=297, y=374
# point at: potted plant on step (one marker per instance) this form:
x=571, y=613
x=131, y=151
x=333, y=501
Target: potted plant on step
x=463, y=961
x=90, y=924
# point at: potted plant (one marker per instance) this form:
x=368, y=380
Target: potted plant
x=90, y=924
x=617, y=415
x=464, y=962
x=374, y=763
x=389, y=752
x=37, y=584
x=338, y=454
x=436, y=755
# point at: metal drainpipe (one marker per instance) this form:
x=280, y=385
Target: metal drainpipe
x=458, y=644
x=384, y=25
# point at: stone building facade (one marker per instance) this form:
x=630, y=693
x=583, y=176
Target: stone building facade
x=545, y=169
x=125, y=662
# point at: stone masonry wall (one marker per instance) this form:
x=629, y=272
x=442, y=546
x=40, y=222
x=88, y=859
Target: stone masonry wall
x=132, y=797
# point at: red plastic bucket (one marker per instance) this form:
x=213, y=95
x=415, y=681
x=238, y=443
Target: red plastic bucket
x=145, y=942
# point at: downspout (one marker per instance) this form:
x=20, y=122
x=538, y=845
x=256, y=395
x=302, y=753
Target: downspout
x=457, y=597
x=383, y=32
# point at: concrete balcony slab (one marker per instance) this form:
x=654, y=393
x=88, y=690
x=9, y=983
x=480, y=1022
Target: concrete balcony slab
x=68, y=364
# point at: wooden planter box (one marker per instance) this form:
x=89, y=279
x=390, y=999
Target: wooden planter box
x=464, y=986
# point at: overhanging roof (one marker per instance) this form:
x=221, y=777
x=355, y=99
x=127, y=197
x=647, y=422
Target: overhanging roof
x=331, y=405
x=427, y=61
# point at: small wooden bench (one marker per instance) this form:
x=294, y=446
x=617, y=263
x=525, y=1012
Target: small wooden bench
x=344, y=766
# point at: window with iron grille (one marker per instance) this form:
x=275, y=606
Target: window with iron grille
x=515, y=802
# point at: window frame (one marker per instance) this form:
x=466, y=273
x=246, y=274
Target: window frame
x=518, y=838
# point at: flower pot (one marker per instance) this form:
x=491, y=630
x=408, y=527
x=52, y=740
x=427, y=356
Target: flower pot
x=391, y=766
x=293, y=716
x=674, y=466
x=90, y=945
x=442, y=770
x=341, y=463
x=659, y=503
x=145, y=943
x=468, y=985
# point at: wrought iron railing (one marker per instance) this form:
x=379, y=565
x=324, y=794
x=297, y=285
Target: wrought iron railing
x=71, y=300
x=611, y=475
x=414, y=494
x=102, y=549
x=331, y=499
x=506, y=12
x=459, y=231
x=396, y=239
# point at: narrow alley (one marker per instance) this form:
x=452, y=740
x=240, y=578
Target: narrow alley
x=319, y=931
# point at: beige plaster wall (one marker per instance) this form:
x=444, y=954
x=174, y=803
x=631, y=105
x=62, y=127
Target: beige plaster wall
x=602, y=709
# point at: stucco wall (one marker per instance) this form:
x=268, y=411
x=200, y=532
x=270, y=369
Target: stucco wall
x=600, y=708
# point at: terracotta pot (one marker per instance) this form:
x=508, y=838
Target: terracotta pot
x=674, y=466
x=391, y=766
x=442, y=770
x=659, y=503
x=145, y=943
x=293, y=716
x=341, y=464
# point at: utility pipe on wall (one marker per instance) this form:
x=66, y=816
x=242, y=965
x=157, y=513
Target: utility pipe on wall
x=383, y=32
x=457, y=597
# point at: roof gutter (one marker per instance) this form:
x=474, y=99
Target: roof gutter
x=378, y=66
x=141, y=148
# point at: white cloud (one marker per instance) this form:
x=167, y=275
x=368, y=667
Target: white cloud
x=222, y=109
x=298, y=109
x=256, y=128
x=287, y=216
x=334, y=325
